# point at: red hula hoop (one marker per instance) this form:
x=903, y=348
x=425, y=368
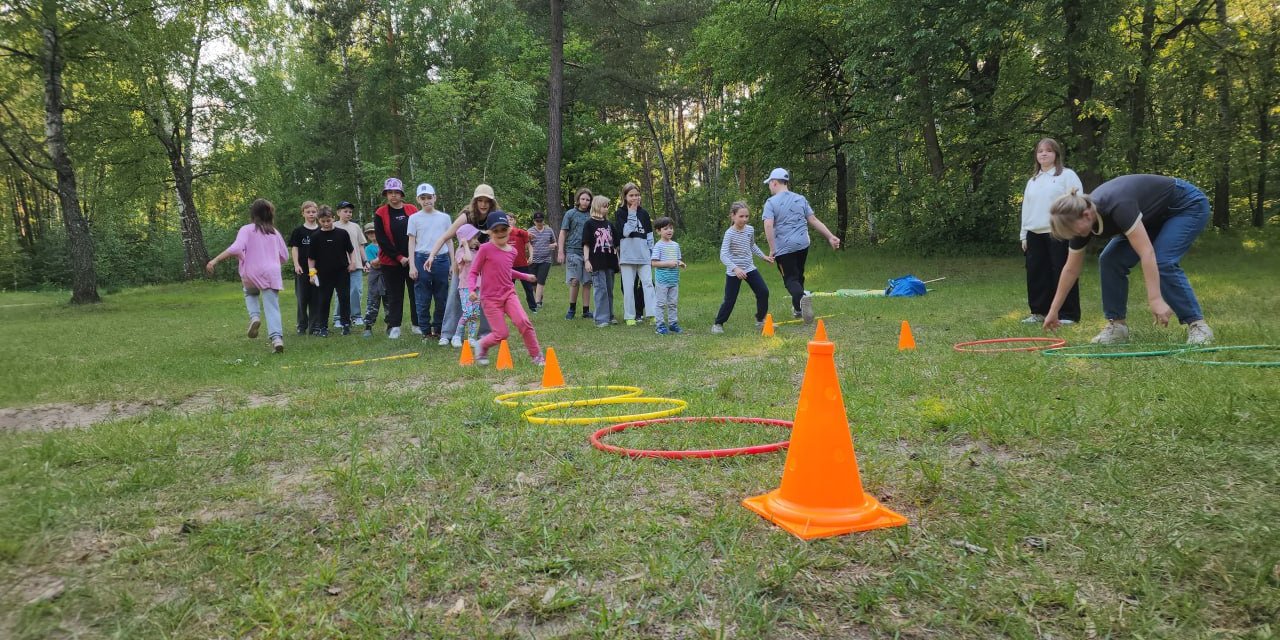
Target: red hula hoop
x=1043, y=343
x=695, y=453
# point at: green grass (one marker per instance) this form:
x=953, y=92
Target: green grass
x=1113, y=498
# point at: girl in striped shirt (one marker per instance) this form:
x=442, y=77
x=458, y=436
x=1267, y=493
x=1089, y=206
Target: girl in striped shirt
x=736, y=252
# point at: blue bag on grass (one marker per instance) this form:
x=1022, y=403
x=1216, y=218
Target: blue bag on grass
x=906, y=286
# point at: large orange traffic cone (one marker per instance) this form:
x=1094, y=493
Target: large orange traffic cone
x=906, y=341
x=821, y=493
x=767, y=331
x=551, y=376
x=504, y=357
x=467, y=357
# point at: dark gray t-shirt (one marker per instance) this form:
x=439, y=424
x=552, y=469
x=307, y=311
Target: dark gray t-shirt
x=574, y=220
x=1125, y=201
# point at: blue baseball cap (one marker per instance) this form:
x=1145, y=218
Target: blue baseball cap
x=496, y=218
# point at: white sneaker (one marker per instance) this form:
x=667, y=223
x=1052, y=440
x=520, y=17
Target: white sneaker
x=475, y=346
x=254, y=323
x=806, y=308
x=1198, y=332
x=717, y=329
x=394, y=334
x=1113, y=333
x=1064, y=322
x=456, y=342
x=359, y=322
x=1035, y=318
x=444, y=342
x=482, y=358
x=416, y=330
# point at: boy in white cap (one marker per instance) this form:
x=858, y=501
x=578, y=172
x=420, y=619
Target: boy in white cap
x=787, y=217
x=431, y=285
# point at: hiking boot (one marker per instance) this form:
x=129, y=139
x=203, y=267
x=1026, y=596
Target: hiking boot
x=675, y=328
x=661, y=329
x=717, y=329
x=1113, y=333
x=1198, y=333
x=394, y=333
x=254, y=323
x=277, y=345
x=1034, y=318
x=806, y=308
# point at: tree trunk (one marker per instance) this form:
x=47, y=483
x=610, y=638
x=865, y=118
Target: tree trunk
x=668, y=191
x=842, y=193
x=197, y=256
x=1264, y=143
x=355, y=133
x=84, y=276
x=555, y=116
x=1138, y=91
x=929, y=122
x=1089, y=131
x=1226, y=129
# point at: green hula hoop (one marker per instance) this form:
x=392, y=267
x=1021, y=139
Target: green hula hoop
x=510, y=399
x=1092, y=351
x=1184, y=356
x=676, y=406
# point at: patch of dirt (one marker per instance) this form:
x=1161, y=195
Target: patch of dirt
x=977, y=451
x=38, y=587
x=53, y=417
x=64, y=415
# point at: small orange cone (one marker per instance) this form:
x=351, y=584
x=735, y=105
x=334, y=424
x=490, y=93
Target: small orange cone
x=906, y=341
x=551, y=376
x=821, y=334
x=768, y=326
x=821, y=493
x=504, y=357
x=467, y=357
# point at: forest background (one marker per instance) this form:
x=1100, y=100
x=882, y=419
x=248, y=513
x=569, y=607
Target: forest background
x=134, y=133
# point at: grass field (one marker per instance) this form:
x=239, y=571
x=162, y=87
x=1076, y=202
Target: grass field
x=216, y=493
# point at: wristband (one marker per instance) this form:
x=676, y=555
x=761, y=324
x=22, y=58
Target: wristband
x=311, y=272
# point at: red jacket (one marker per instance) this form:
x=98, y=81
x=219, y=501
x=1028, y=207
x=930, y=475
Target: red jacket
x=392, y=234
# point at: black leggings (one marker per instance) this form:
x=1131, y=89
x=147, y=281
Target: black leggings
x=791, y=266
x=1045, y=259
x=732, y=285
x=338, y=282
x=398, y=283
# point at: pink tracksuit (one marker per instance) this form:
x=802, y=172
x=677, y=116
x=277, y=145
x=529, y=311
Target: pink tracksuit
x=493, y=265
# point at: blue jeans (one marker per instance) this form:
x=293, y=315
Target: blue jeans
x=354, y=291
x=431, y=286
x=1189, y=214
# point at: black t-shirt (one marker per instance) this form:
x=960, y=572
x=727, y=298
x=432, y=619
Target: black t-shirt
x=1125, y=201
x=329, y=249
x=300, y=237
x=601, y=240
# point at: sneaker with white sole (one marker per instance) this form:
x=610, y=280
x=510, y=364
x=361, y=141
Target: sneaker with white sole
x=1034, y=318
x=416, y=330
x=482, y=358
x=359, y=322
x=1198, y=333
x=444, y=342
x=277, y=345
x=456, y=342
x=1064, y=322
x=806, y=308
x=394, y=333
x=1113, y=333
x=475, y=346
x=254, y=323
x=717, y=329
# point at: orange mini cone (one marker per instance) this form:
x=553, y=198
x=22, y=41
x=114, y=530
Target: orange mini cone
x=906, y=341
x=467, y=357
x=821, y=334
x=551, y=376
x=767, y=331
x=504, y=357
x=821, y=493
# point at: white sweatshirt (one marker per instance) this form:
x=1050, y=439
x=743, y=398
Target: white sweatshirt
x=1041, y=191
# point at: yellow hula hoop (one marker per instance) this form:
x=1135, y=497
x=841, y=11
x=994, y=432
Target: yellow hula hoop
x=676, y=407
x=509, y=399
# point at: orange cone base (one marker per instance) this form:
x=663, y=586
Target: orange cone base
x=808, y=523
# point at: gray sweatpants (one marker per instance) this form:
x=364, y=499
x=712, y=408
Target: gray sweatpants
x=602, y=291
x=668, y=297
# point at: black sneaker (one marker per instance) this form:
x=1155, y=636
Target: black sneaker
x=324, y=333
x=586, y=313
x=302, y=331
x=346, y=330
x=569, y=314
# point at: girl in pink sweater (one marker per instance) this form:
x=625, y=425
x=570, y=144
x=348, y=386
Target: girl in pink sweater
x=497, y=296
x=260, y=250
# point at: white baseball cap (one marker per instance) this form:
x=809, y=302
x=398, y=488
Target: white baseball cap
x=425, y=189
x=778, y=174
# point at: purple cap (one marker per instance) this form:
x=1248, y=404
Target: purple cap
x=393, y=184
x=466, y=232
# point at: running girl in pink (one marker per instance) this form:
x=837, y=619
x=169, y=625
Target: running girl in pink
x=260, y=250
x=493, y=266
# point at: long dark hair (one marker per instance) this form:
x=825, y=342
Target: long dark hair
x=263, y=214
x=1057, y=157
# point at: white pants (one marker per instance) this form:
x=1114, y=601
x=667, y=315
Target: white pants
x=629, y=273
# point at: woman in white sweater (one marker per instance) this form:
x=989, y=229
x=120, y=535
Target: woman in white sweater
x=1046, y=256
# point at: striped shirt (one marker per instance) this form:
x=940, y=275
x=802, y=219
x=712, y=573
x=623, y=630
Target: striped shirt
x=737, y=248
x=664, y=251
x=541, y=243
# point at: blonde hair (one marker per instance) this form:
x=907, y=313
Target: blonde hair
x=601, y=203
x=1068, y=209
x=1057, y=157
x=733, y=208
x=306, y=204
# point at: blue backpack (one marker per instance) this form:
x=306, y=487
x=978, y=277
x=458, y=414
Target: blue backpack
x=906, y=286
